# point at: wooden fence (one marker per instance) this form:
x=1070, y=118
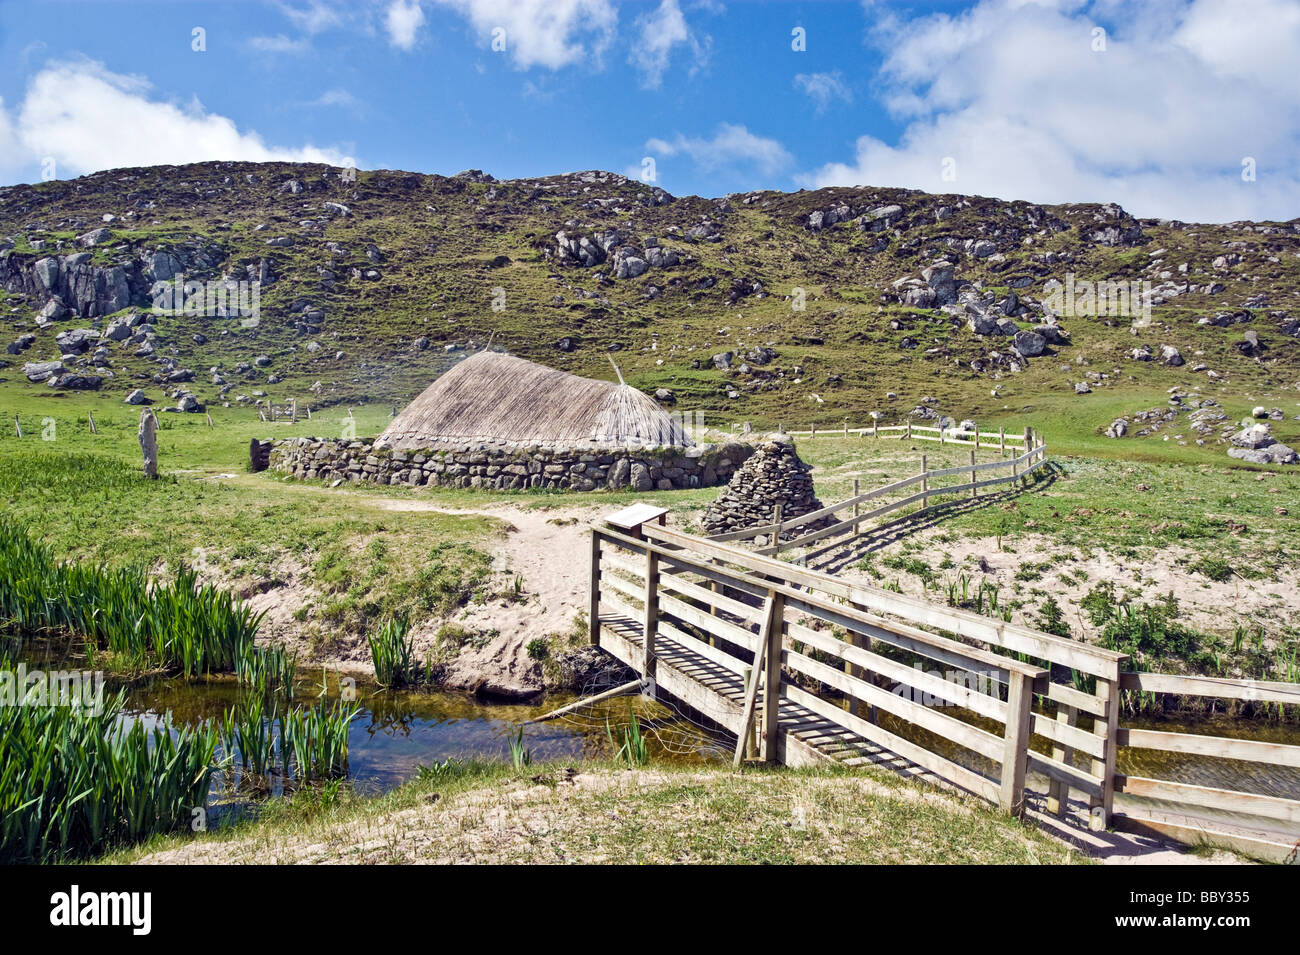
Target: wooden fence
x=1000, y=439
x=1236, y=818
x=721, y=603
x=272, y=411
x=843, y=673
x=1017, y=468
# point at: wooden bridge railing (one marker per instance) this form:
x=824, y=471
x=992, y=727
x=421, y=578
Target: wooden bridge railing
x=851, y=658
x=1017, y=468
x=837, y=666
x=1178, y=809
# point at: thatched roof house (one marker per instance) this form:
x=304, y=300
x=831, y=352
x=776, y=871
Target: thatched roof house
x=490, y=399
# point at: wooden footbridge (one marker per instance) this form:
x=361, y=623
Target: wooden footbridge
x=804, y=667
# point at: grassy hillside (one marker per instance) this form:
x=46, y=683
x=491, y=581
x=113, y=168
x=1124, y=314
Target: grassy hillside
x=369, y=304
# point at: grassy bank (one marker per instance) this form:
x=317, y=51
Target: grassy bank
x=598, y=814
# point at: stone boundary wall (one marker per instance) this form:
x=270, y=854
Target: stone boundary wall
x=642, y=469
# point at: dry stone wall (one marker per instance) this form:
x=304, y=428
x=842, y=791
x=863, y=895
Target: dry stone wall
x=506, y=467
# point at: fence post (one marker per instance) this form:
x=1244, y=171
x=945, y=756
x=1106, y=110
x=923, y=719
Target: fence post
x=977, y=434
x=1015, y=751
x=1058, y=792
x=651, y=616
x=1108, y=691
x=974, y=491
x=776, y=534
x=875, y=427
x=857, y=508
x=812, y=430
x=925, y=483
x=1002, y=441
x=773, y=631
x=851, y=704
x=593, y=607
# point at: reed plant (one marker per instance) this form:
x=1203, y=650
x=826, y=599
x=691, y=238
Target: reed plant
x=634, y=748
x=178, y=624
x=392, y=653
x=262, y=737
x=268, y=670
x=75, y=781
x=520, y=756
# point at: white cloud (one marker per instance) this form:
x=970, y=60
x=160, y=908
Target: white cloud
x=403, y=20
x=549, y=33
x=278, y=44
x=87, y=119
x=11, y=158
x=336, y=97
x=313, y=17
x=658, y=33
x=1013, y=92
x=731, y=146
x=824, y=87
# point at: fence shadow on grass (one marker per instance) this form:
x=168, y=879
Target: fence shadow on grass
x=882, y=535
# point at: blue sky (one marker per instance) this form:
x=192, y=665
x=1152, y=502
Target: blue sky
x=1161, y=112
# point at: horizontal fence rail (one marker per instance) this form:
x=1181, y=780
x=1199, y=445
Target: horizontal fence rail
x=1018, y=468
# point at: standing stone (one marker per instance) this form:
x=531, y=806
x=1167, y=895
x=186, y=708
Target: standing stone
x=149, y=443
x=259, y=455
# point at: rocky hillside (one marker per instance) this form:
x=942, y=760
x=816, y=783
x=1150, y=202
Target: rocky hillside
x=775, y=307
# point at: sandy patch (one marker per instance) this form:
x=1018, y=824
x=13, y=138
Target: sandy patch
x=548, y=551
x=1212, y=606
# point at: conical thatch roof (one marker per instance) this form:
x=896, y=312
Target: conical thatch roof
x=493, y=399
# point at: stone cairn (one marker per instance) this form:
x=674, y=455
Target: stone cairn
x=774, y=474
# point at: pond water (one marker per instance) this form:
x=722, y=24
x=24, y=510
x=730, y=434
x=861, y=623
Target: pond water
x=395, y=733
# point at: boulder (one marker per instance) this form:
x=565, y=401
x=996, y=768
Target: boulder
x=38, y=371
x=1254, y=437
x=1250, y=456
x=939, y=278
x=620, y=474
x=1029, y=344
x=1053, y=334
x=54, y=310
x=75, y=381
x=639, y=477
x=1281, y=454
x=137, y=397
x=1169, y=355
